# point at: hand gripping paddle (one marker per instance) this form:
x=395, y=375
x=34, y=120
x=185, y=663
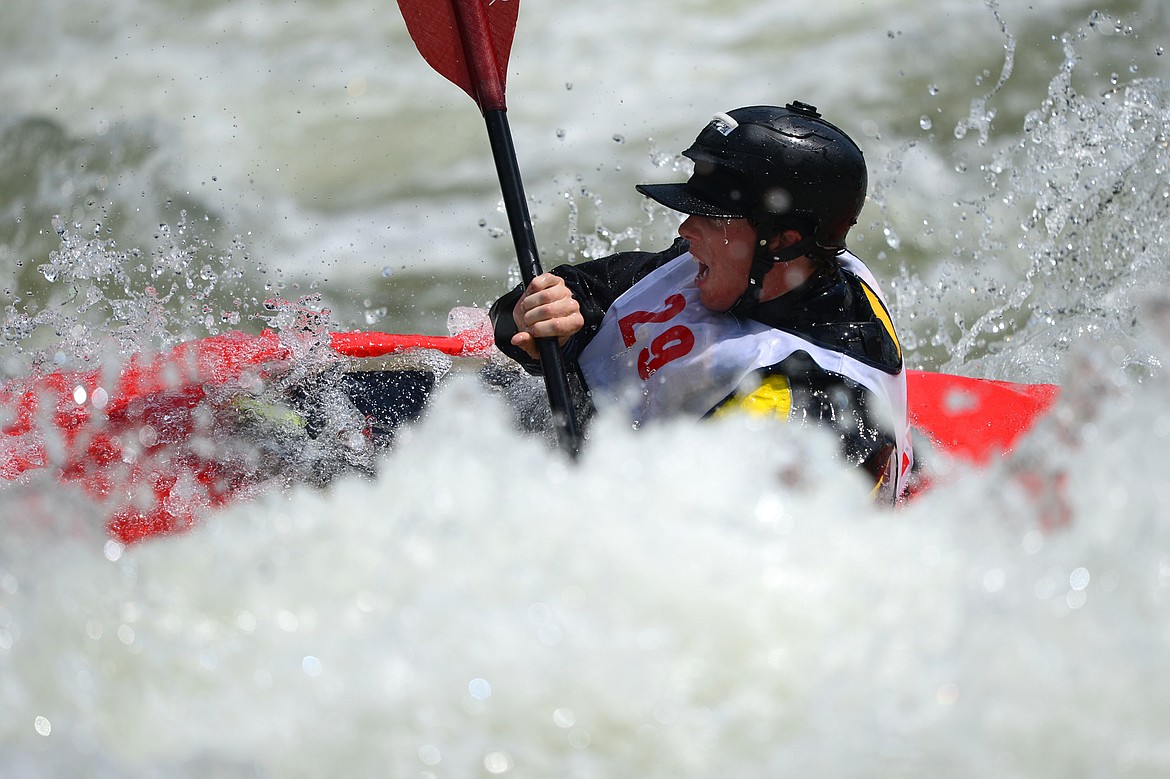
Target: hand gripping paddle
x=468, y=42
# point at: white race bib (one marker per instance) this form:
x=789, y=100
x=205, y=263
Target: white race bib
x=659, y=352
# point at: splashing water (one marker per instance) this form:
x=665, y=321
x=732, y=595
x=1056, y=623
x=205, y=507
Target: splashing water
x=103, y=302
x=1086, y=172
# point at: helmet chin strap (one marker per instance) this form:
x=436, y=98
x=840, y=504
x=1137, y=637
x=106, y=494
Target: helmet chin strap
x=762, y=263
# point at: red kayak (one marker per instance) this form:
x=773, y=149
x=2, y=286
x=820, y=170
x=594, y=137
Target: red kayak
x=974, y=420
x=144, y=448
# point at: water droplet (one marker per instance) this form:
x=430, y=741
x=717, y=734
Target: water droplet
x=925, y=123
x=479, y=689
x=497, y=762
x=1079, y=579
x=429, y=755
x=43, y=726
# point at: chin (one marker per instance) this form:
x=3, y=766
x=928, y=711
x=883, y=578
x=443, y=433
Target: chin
x=716, y=305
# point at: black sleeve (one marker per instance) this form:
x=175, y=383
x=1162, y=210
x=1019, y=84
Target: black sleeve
x=595, y=284
x=505, y=327
x=843, y=405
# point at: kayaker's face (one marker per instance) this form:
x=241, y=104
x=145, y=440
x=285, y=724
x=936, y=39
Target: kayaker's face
x=723, y=249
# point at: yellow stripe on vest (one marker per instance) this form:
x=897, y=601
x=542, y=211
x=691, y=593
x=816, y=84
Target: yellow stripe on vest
x=880, y=311
x=772, y=398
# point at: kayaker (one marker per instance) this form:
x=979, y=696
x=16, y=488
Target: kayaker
x=758, y=305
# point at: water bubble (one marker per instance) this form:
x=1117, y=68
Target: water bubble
x=311, y=666
x=619, y=138
x=287, y=621
x=933, y=89
x=892, y=238
x=43, y=726
x=430, y=755
x=925, y=123
x=497, y=762
x=993, y=580
x=561, y=133
x=947, y=694
x=479, y=689
x=246, y=621
x=1079, y=579
x=373, y=316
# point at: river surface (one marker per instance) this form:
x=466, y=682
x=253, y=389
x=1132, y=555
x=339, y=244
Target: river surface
x=686, y=601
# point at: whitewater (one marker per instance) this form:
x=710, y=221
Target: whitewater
x=685, y=600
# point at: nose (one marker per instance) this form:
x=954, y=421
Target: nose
x=687, y=228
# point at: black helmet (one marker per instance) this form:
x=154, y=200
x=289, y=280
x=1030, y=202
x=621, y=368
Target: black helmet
x=780, y=167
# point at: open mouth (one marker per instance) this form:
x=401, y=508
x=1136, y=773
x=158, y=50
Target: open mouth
x=703, y=271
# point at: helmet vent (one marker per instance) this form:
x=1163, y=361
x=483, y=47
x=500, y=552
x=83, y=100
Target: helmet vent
x=804, y=108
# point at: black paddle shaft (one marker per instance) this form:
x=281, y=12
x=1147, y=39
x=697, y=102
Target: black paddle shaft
x=516, y=204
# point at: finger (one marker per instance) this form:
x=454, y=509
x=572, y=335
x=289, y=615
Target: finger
x=544, y=281
x=552, y=310
x=527, y=343
x=545, y=290
x=560, y=327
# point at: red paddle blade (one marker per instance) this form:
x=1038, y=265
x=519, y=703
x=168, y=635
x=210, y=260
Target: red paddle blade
x=467, y=42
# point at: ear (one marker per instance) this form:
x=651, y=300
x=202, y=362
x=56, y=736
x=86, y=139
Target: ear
x=783, y=239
